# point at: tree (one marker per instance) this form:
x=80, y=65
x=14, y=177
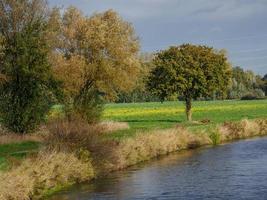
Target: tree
x=101, y=51
x=246, y=84
x=190, y=71
x=27, y=95
x=140, y=93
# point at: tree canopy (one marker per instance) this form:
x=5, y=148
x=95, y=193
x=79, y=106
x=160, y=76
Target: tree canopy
x=191, y=71
x=101, y=50
x=93, y=55
x=26, y=95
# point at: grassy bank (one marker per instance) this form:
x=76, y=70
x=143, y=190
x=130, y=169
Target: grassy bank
x=49, y=171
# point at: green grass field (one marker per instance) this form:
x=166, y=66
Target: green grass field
x=146, y=116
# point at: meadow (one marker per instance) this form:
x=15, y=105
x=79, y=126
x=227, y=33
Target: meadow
x=151, y=115
x=143, y=117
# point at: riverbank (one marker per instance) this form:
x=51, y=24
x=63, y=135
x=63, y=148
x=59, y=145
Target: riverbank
x=45, y=173
x=236, y=170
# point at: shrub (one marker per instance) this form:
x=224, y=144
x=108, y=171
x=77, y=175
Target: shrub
x=255, y=94
x=75, y=134
x=70, y=135
x=249, y=96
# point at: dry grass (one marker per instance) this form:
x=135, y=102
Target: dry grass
x=243, y=129
x=14, y=138
x=110, y=126
x=67, y=135
x=263, y=126
x=146, y=146
x=75, y=134
x=47, y=171
x=60, y=128
x=70, y=136
x=7, y=137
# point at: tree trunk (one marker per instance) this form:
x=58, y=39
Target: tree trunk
x=188, y=103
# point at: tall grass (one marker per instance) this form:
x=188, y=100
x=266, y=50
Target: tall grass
x=146, y=146
x=243, y=129
x=35, y=176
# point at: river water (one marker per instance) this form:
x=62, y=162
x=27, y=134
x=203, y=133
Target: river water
x=231, y=171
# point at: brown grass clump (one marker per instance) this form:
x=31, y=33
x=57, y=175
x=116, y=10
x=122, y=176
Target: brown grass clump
x=146, y=146
x=7, y=137
x=74, y=134
x=14, y=138
x=110, y=126
x=70, y=136
x=65, y=135
x=263, y=126
x=34, y=177
x=243, y=129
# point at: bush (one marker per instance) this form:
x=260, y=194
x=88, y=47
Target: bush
x=73, y=135
x=255, y=94
x=249, y=96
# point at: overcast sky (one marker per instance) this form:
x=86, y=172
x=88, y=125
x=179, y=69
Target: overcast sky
x=240, y=26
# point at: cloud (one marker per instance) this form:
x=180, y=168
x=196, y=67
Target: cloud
x=148, y=9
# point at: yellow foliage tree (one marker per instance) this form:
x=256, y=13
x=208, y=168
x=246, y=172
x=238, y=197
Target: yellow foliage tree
x=98, y=52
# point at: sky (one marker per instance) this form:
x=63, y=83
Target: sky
x=239, y=26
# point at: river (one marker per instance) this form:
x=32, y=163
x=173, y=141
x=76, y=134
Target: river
x=231, y=171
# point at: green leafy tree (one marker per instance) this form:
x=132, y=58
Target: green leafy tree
x=190, y=71
x=27, y=95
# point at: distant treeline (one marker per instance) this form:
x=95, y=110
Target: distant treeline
x=244, y=84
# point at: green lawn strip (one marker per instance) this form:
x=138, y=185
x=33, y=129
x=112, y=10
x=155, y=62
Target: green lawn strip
x=143, y=117
x=16, y=150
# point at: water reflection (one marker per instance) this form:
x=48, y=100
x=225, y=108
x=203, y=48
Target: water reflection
x=232, y=171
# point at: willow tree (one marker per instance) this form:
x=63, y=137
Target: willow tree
x=190, y=71
x=24, y=68
x=95, y=55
